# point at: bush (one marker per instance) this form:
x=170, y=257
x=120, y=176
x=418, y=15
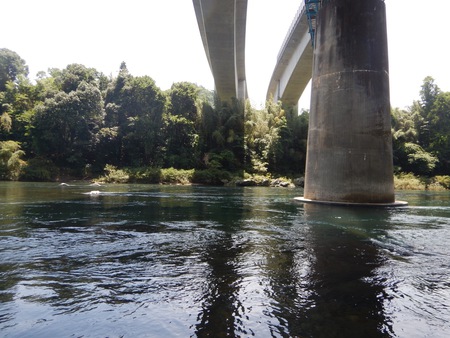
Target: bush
x=408, y=182
x=114, y=175
x=176, y=176
x=443, y=181
x=146, y=175
x=411, y=182
x=11, y=164
x=211, y=177
x=39, y=169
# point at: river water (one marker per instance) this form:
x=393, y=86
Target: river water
x=191, y=261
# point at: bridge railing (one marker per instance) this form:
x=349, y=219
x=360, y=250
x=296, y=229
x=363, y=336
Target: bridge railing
x=294, y=23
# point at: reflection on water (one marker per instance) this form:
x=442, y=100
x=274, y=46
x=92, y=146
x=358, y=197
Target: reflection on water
x=153, y=261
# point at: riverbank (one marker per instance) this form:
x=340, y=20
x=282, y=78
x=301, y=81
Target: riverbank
x=402, y=181
x=407, y=181
x=192, y=176
x=219, y=177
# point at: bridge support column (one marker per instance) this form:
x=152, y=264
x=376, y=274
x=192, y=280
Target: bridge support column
x=349, y=154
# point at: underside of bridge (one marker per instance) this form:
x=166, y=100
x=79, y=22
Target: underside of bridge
x=293, y=69
x=349, y=152
x=222, y=25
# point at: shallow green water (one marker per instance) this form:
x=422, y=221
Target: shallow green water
x=176, y=261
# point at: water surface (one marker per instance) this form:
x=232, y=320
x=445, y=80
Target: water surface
x=188, y=261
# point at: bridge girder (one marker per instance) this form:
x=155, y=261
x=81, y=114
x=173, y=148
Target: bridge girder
x=222, y=25
x=293, y=69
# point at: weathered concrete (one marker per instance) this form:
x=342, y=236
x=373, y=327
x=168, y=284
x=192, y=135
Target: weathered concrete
x=349, y=154
x=293, y=69
x=222, y=25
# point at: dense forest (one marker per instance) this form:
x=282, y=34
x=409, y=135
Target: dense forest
x=80, y=123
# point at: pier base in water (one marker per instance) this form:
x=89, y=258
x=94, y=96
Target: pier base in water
x=394, y=204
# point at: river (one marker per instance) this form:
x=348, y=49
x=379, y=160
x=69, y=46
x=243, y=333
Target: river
x=194, y=261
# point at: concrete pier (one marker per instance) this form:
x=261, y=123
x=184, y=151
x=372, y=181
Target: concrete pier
x=349, y=156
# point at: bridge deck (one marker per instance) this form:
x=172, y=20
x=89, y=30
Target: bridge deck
x=293, y=69
x=222, y=28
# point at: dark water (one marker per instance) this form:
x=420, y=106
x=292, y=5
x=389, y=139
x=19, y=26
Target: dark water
x=168, y=261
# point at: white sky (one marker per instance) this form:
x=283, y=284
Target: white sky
x=160, y=38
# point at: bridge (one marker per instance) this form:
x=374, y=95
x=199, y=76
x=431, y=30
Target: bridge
x=293, y=68
x=222, y=26
x=341, y=45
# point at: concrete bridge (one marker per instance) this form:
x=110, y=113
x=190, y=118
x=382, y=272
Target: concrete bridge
x=222, y=26
x=293, y=69
x=342, y=46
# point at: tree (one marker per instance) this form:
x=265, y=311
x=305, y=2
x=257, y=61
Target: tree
x=11, y=66
x=74, y=74
x=18, y=101
x=65, y=126
x=182, y=126
x=183, y=100
x=428, y=94
x=11, y=162
x=182, y=143
x=439, y=124
x=421, y=135
x=144, y=106
x=135, y=107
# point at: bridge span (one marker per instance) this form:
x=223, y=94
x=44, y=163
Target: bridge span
x=293, y=68
x=222, y=25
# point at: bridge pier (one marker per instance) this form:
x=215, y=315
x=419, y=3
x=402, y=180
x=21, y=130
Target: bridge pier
x=349, y=154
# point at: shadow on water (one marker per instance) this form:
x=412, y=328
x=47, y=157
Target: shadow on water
x=324, y=284
x=221, y=307
x=220, y=303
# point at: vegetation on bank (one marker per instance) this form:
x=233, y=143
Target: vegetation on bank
x=411, y=182
x=149, y=175
x=81, y=124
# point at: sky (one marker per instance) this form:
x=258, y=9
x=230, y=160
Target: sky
x=160, y=38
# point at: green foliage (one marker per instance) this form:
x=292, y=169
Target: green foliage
x=11, y=163
x=11, y=66
x=5, y=122
x=65, y=126
x=408, y=181
x=78, y=118
x=224, y=160
x=443, y=180
x=221, y=138
x=176, y=176
x=275, y=139
x=70, y=78
x=439, y=136
x=39, y=169
x=211, y=176
x=146, y=175
x=183, y=97
x=428, y=94
x=135, y=109
x=181, y=143
x=114, y=175
x=417, y=159
x=421, y=135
